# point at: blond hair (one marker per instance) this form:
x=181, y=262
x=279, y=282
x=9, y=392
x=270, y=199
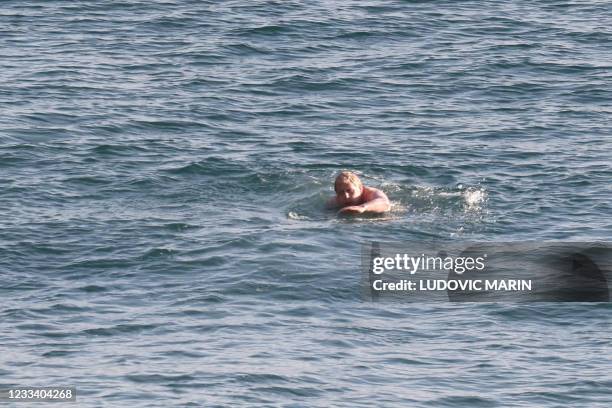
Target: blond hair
x=348, y=177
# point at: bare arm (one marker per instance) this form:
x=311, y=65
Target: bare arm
x=379, y=202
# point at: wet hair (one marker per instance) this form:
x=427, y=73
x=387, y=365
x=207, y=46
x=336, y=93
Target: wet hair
x=348, y=177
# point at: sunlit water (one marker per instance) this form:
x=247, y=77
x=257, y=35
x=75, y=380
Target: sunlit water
x=164, y=168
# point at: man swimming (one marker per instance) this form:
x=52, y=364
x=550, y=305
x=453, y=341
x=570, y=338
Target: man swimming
x=352, y=197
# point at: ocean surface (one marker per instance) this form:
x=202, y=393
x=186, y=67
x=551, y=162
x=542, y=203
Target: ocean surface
x=163, y=170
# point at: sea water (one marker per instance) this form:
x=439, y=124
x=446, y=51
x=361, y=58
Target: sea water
x=163, y=173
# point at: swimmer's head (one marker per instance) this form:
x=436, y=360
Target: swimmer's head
x=348, y=188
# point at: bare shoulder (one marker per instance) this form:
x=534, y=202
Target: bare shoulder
x=372, y=193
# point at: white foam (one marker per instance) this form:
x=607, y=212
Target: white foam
x=390, y=187
x=473, y=198
x=398, y=208
x=295, y=216
x=445, y=194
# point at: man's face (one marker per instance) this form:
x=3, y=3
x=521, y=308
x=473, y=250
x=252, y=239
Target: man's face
x=348, y=193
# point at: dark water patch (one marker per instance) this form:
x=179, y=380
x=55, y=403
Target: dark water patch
x=592, y=37
x=210, y=166
x=463, y=400
x=98, y=180
x=184, y=354
x=260, y=378
x=37, y=135
x=58, y=353
x=19, y=146
x=208, y=136
x=120, y=329
x=56, y=334
x=100, y=264
x=578, y=180
x=146, y=181
x=171, y=22
x=361, y=35
x=191, y=313
x=290, y=392
x=156, y=253
x=306, y=82
x=41, y=248
x=264, y=31
x=159, y=379
x=218, y=248
x=196, y=262
x=19, y=315
x=246, y=49
x=13, y=160
x=105, y=129
x=35, y=327
x=64, y=308
x=204, y=299
x=26, y=284
x=564, y=68
x=180, y=226
x=117, y=150
x=406, y=361
x=168, y=125
x=57, y=73
x=93, y=289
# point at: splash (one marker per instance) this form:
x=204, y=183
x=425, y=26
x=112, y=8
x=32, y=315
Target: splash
x=431, y=203
x=474, y=199
x=427, y=199
x=292, y=215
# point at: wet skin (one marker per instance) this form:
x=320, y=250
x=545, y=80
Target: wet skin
x=353, y=199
